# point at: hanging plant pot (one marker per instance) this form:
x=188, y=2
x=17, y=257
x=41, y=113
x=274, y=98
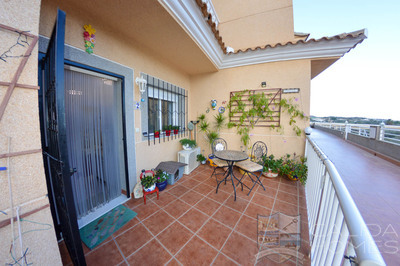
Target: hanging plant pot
x=176, y=131
x=167, y=133
x=162, y=185
x=150, y=188
x=157, y=134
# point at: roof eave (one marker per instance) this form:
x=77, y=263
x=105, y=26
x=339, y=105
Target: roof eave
x=302, y=50
x=190, y=17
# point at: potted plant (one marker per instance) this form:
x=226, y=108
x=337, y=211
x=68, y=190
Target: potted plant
x=167, y=130
x=294, y=168
x=188, y=144
x=271, y=165
x=161, y=180
x=148, y=183
x=176, y=129
x=201, y=158
x=157, y=133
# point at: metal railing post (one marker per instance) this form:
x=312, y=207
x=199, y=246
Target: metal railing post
x=347, y=129
x=382, y=131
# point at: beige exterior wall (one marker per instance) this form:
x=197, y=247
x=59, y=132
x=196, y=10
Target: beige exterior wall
x=251, y=23
x=290, y=74
x=115, y=46
x=243, y=24
x=21, y=122
x=19, y=131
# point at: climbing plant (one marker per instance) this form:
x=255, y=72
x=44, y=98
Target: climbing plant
x=250, y=108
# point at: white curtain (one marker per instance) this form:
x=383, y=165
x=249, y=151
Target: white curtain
x=94, y=131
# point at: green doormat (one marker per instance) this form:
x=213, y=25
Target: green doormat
x=97, y=231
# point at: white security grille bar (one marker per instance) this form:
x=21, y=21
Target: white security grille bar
x=336, y=226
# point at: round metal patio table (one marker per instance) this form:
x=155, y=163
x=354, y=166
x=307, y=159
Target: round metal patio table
x=231, y=157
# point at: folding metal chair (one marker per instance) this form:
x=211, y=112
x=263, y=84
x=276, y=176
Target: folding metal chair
x=219, y=144
x=251, y=166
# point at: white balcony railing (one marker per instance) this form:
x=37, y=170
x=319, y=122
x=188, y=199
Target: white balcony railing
x=380, y=132
x=335, y=224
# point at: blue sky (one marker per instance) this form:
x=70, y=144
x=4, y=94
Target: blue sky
x=364, y=82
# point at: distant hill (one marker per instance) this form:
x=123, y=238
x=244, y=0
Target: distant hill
x=353, y=120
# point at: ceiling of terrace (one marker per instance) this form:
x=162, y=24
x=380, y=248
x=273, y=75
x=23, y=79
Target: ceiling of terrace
x=144, y=23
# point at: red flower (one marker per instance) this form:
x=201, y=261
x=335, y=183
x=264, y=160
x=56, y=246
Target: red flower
x=86, y=34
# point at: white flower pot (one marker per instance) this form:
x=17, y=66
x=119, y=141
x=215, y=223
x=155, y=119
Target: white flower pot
x=270, y=174
x=150, y=188
x=186, y=147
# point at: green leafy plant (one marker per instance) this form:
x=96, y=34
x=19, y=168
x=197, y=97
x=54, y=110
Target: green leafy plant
x=201, y=117
x=270, y=163
x=294, y=168
x=161, y=176
x=261, y=106
x=220, y=121
x=211, y=136
x=191, y=143
x=211, y=133
x=200, y=158
x=147, y=181
x=168, y=127
x=204, y=126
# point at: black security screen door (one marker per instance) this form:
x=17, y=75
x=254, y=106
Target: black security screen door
x=54, y=142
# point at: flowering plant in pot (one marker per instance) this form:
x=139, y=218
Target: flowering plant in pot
x=294, y=168
x=188, y=144
x=201, y=158
x=148, y=183
x=271, y=165
x=167, y=130
x=161, y=180
x=175, y=129
x=157, y=134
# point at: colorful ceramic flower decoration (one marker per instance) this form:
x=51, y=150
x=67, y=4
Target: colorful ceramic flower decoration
x=89, y=29
x=214, y=104
x=89, y=38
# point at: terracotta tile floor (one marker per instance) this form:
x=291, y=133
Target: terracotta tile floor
x=192, y=225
